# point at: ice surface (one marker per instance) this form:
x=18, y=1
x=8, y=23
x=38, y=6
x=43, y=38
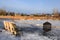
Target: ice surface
x=4, y=35
x=54, y=34
x=29, y=23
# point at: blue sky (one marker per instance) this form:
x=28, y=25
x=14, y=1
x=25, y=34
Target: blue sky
x=30, y=6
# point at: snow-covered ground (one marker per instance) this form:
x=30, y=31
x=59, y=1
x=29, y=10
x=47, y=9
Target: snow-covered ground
x=36, y=34
x=4, y=35
x=52, y=35
x=28, y=23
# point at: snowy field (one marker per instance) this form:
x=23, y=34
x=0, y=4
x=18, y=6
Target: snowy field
x=32, y=30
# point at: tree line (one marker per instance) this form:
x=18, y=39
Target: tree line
x=5, y=13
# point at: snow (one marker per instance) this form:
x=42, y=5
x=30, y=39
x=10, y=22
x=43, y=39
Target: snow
x=29, y=23
x=4, y=35
x=34, y=36
x=28, y=34
x=52, y=35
